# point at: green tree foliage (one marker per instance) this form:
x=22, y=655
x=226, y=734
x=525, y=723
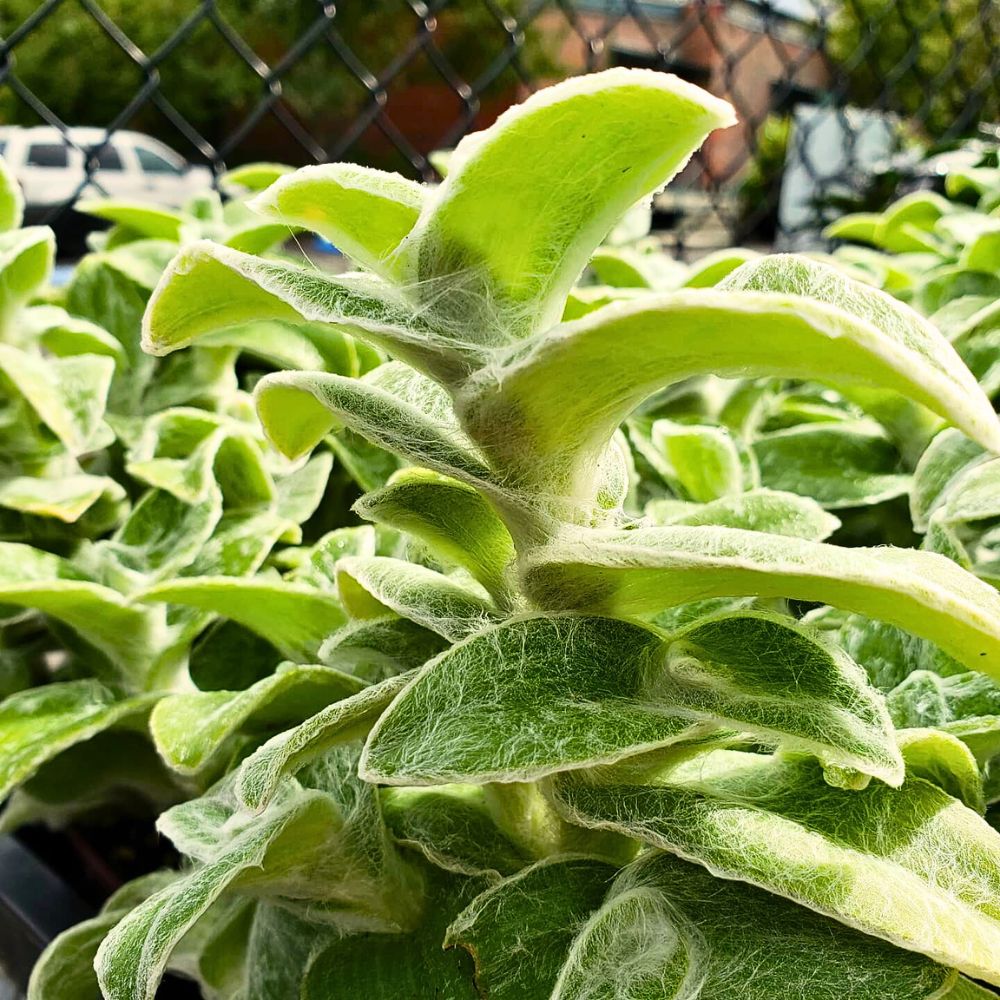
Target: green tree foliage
x=933, y=57
x=69, y=62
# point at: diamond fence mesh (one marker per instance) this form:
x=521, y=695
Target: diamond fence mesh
x=828, y=92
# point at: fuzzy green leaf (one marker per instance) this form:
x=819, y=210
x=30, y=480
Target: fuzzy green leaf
x=645, y=570
x=498, y=249
x=145, y=220
x=124, y=633
x=533, y=424
x=190, y=729
x=26, y=259
x=756, y=510
x=539, y=695
x=668, y=924
x=453, y=827
x=210, y=287
x=67, y=394
x=365, y=213
x=260, y=774
x=394, y=966
x=298, y=409
x=65, y=970
x=536, y=912
x=452, y=518
x=910, y=865
x=704, y=461
x=433, y=600
x=839, y=465
x=948, y=457
x=293, y=618
x=38, y=724
x=11, y=199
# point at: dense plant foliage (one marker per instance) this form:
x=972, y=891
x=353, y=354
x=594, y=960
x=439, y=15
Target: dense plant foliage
x=617, y=693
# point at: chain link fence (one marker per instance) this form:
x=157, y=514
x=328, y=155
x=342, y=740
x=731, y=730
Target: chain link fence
x=830, y=93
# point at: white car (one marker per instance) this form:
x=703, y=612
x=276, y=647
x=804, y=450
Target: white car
x=50, y=167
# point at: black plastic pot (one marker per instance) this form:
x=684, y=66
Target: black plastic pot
x=35, y=906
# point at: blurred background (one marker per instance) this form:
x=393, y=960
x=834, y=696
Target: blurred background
x=840, y=101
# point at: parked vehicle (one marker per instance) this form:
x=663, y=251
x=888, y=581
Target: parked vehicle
x=52, y=167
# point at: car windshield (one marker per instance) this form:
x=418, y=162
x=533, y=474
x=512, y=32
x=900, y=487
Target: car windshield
x=154, y=163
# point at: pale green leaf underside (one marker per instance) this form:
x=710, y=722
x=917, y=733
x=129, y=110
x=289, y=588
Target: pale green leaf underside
x=189, y=729
x=11, y=199
x=208, y=287
x=254, y=176
x=501, y=241
x=539, y=695
x=365, y=213
x=149, y=221
x=438, y=602
x=911, y=865
x=452, y=518
x=903, y=331
x=26, y=259
x=294, y=618
x=298, y=409
x=551, y=433
x=645, y=570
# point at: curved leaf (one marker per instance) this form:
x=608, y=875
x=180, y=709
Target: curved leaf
x=298, y=409
x=948, y=456
x=260, y=774
x=68, y=394
x=889, y=858
x=294, y=618
x=190, y=729
x=26, y=259
x=452, y=518
x=126, y=634
x=366, y=213
x=848, y=464
x=453, y=827
x=536, y=912
x=208, y=287
x=38, y=724
x=669, y=927
x=645, y=570
x=713, y=267
x=534, y=424
x=254, y=176
x=430, y=599
x=133, y=957
x=11, y=199
x=146, y=220
x=946, y=762
x=497, y=249
x=539, y=695
x=756, y=510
